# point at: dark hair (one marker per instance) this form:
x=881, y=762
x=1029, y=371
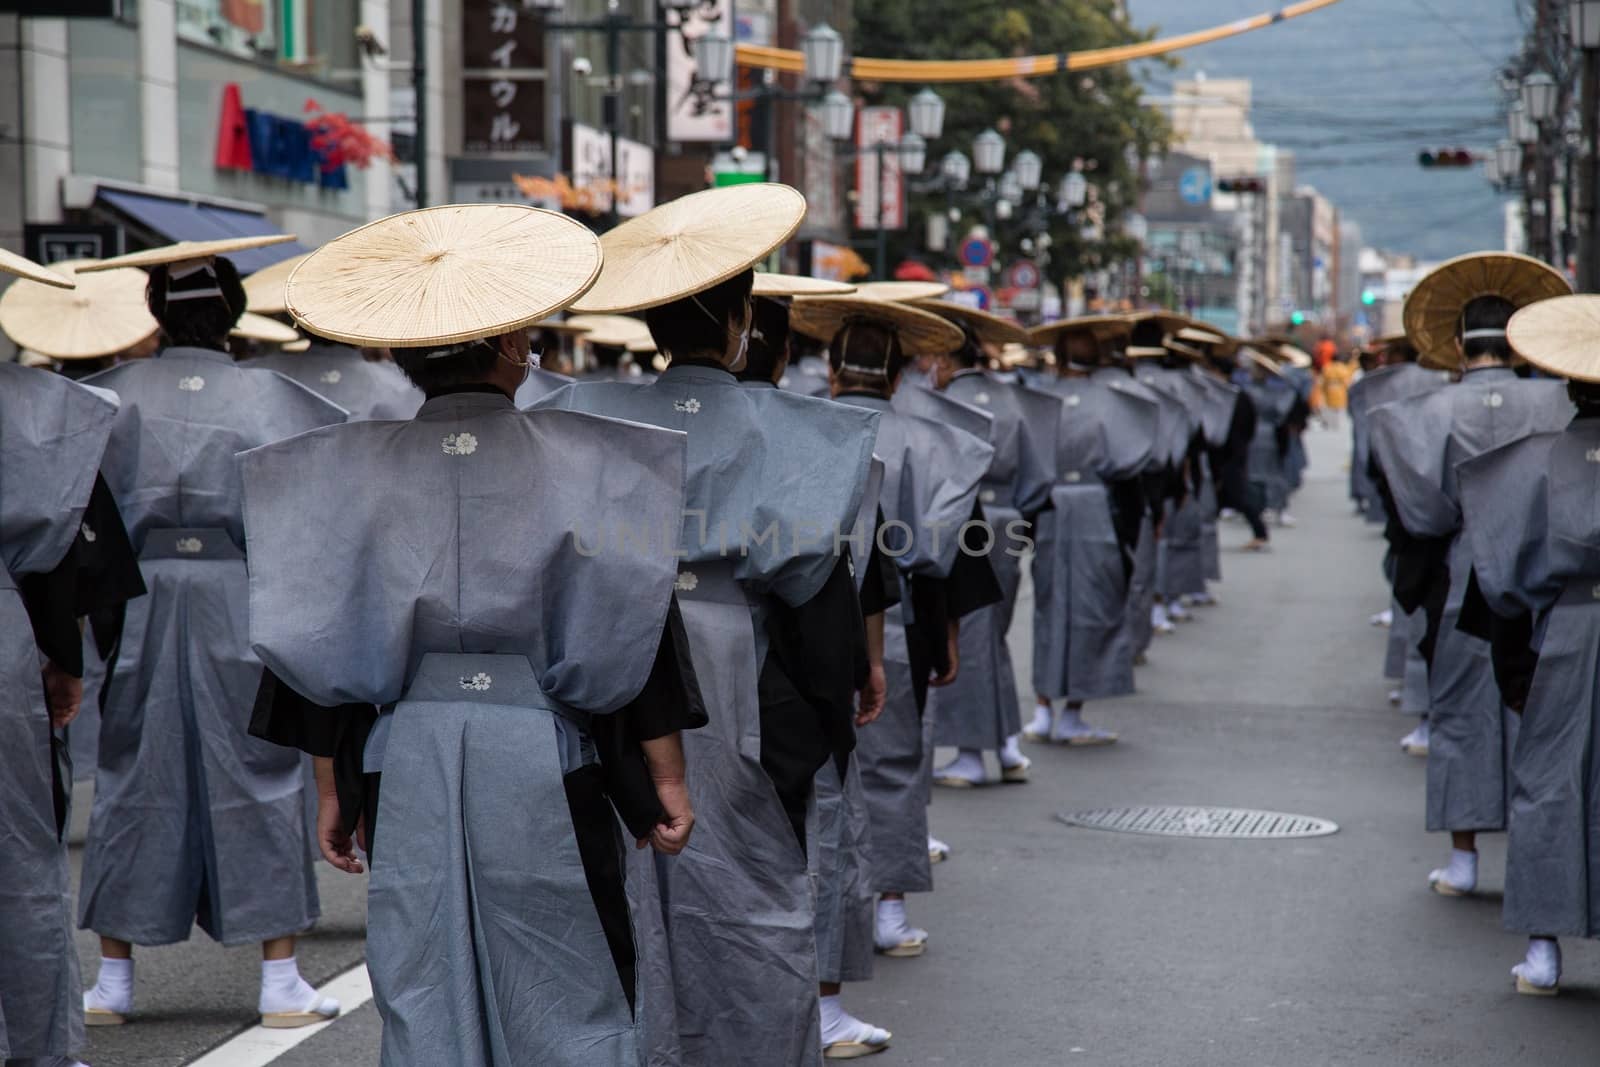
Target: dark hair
x=82, y=368
x=1065, y=359
x=1400, y=351
x=971, y=353
x=866, y=355
x=1585, y=397
x=441, y=367
x=1486, y=313
x=768, y=354
x=1147, y=333
x=203, y=322
x=700, y=323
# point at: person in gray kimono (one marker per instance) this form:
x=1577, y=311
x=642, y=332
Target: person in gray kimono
x=1110, y=439
x=1273, y=398
x=1397, y=378
x=981, y=711
x=1193, y=348
x=365, y=382
x=728, y=956
x=1458, y=314
x=194, y=821
x=510, y=660
x=816, y=664
x=932, y=473
x=63, y=554
x=1532, y=530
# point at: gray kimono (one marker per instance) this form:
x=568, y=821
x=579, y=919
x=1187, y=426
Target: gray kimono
x=932, y=472
x=1216, y=402
x=1169, y=446
x=1533, y=524
x=727, y=955
x=1373, y=389
x=452, y=571
x=193, y=819
x=1180, y=561
x=981, y=709
x=807, y=375
x=366, y=389
x=539, y=384
x=1274, y=401
x=1422, y=440
x=1082, y=636
x=52, y=436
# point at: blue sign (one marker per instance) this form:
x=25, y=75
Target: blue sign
x=1195, y=186
x=281, y=148
x=976, y=252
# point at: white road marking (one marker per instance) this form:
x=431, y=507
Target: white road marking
x=259, y=1046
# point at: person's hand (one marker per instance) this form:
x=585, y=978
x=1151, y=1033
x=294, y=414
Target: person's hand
x=63, y=695
x=871, y=698
x=671, y=834
x=338, y=847
x=953, y=656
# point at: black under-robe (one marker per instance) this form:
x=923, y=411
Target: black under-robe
x=1510, y=643
x=936, y=602
x=95, y=579
x=619, y=785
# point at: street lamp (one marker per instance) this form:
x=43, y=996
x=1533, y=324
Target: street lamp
x=1074, y=191
x=989, y=152
x=956, y=168
x=1029, y=169
x=1519, y=126
x=926, y=110
x=1010, y=187
x=1585, y=23
x=838, y=116
x=713, y=58
x=913, y=153
x=823, y=51
x=1508, y=160
x=1539, y=96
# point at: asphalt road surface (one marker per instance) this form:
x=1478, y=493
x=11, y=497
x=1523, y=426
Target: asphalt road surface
x=1057, y=945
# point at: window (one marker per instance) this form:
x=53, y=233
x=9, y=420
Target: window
x=311, y=37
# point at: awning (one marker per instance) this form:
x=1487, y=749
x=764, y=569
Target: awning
x=184, y=220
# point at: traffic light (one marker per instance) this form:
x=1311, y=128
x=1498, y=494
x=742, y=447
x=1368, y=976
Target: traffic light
x=1298, y=318
x=1445, y=157
x=1368, y=297
x=1241, y=185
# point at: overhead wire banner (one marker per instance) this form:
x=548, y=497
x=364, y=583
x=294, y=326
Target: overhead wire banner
x=863, y=68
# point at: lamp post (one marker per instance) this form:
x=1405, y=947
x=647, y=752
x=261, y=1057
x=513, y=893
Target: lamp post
x=925, y=113
x=1584, y=18
x=1539, y=107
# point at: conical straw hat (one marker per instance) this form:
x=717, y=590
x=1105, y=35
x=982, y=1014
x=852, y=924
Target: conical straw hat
x=613, y=331
x=260, y=328
x=1560, y=336
x=105, y=313
x=1100, y=327
x=184, y=251
x=23, y=267
x=797, y=285
x=641, y=344
x=1266, y=363
x=265, y=289
x=901, y=291
x=1284, y=350
x=1433, y=310
x=442, y=275
x=565, y=326
x=688, y=245
x=299, y=344
x=921, y=332
x=991, y=328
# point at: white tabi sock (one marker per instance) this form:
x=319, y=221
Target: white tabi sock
x=1177, y=612
x=1040, y=724
x=839, y=1025
x=113, y=988
x=1011, y=754
x=892, y=925
x=1158, y=619
x=967, y=766
x=1542, y=967
x=1462, y=873
x=283, y=990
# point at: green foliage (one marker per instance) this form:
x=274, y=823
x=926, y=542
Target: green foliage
x=1094, y=116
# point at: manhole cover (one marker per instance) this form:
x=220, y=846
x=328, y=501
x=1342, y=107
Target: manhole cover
x=1176, y=821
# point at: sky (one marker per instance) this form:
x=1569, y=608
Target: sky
x=1357, y=90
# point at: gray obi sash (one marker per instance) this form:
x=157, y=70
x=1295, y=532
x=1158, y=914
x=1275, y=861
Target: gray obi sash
x=180, y=542
x=483, y=678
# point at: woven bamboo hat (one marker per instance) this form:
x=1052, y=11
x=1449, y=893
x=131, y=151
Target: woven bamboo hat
x=902, y=291
x=641, y=345
x=1560, y=336
x=797, y=285
x=23, y=267
x=1266, y=363
x=299, y=344
x=686, y=246
x=921, y=332
x=184, y=251
x=1284, y=350
x=266, y=290
x=563, y=326
x=255, y=327
x=991, y=328
x=1100, y=327
x=104, y=314
x=613, y=331
x=1433, y=310
x=444, y=275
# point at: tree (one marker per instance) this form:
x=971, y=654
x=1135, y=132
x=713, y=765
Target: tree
x=1091, y=116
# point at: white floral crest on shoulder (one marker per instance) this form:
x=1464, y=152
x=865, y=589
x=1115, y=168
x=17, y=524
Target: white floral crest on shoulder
x=1074, y=400
x=687, y=581
x=188, y=545
x=982, y=398
x=459, y=444
x=479, y=682
x=1593, y=455
x=331, y=377
x=191, y=384
x=688, y=407
x=1493, y=400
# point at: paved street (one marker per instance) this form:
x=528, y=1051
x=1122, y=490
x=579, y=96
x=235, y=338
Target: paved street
x=1056, y=945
